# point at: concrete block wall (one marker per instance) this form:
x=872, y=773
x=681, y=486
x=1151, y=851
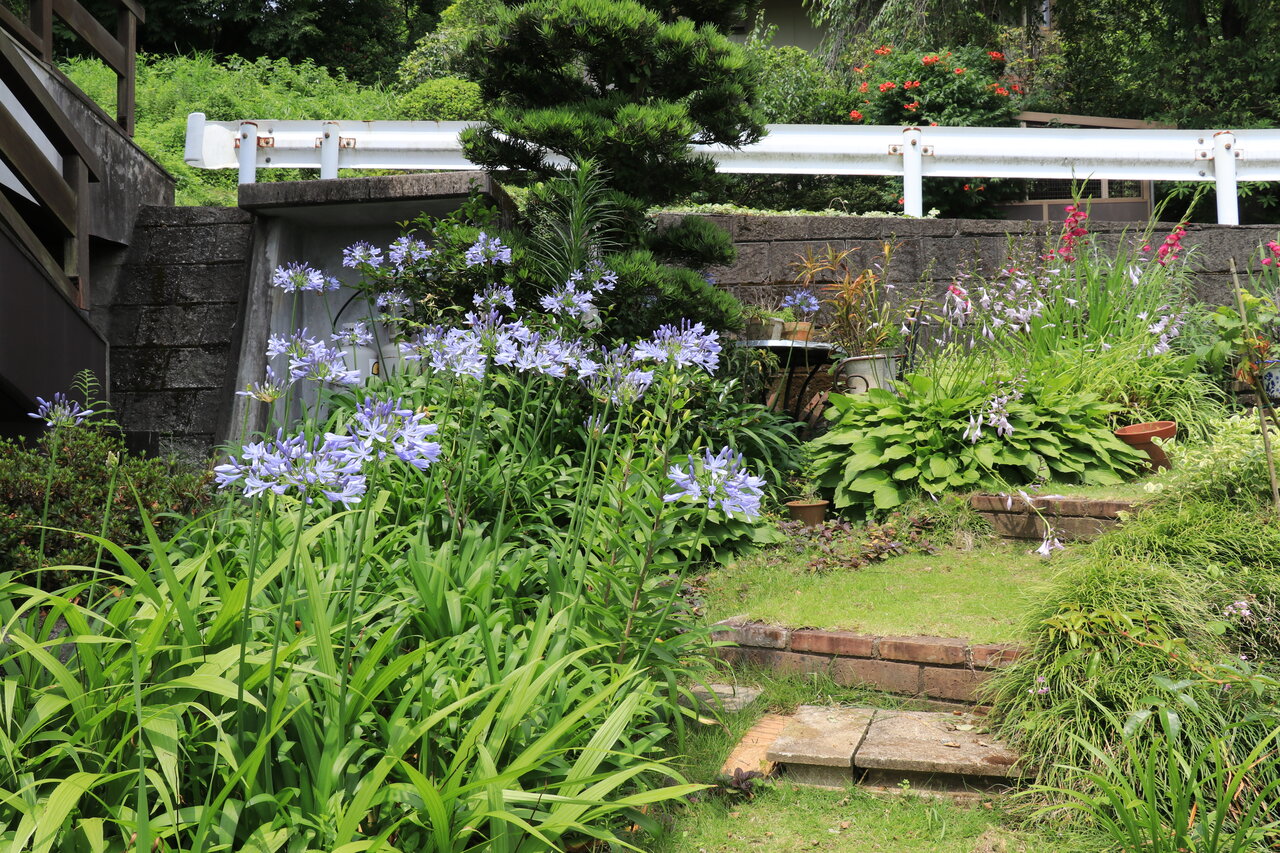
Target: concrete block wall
x=928, y=667
x=931, y=252
x=174, y=326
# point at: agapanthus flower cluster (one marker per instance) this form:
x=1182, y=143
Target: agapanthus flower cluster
x=487, y=250
x=383, y=427
x=361, y=254
x=495, y=296
x=268, y=390
x=60, y=411
x=406, y=251
x=310, y=358
x=803, y=302
x=722, y=480
x=689, y=344
x=355, y=334
x=301, y=278
x=325, y=465
x=391, y=300
x=332, y=465
x=616, y=378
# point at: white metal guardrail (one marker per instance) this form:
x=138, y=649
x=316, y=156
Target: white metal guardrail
x=1222, y=156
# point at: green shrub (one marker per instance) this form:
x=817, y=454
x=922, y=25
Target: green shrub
x=90, y=460
x=443, y=99
x=882, y=447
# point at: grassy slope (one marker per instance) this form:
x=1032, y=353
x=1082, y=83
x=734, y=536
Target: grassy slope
x=978, y=594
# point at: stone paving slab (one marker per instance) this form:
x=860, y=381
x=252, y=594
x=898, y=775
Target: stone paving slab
x=817, y=747
x=731, y=698
x=929, y=742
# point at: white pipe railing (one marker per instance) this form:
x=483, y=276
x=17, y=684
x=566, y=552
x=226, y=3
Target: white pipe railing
x=913, y=153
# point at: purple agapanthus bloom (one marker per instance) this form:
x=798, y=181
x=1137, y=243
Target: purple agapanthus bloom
x=568, y=301
x=614, y=378
x=391, y=300
x=328, y=465
x=495, y=296
x=60, y=412
x=803, y=302
x=722, y=480
x=684, y=346
x=355, y=334
x=384, y=427
x=301, y=278
x=361, y=253
x=407, y=251
x=487, y=250
x=268, y=390
x=310, y=358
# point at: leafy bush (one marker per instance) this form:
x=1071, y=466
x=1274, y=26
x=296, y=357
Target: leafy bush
x=881, y=447
x=97, y=487
x=171, y=87
x=442, y=99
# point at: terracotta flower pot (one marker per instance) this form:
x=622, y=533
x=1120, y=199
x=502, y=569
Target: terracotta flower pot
x=812, y=513
x=796, y=331
x=1139, y=437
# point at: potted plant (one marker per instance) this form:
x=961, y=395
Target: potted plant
x=807, y=506
x=765, y=319
x=804, y=305
x=862, y=323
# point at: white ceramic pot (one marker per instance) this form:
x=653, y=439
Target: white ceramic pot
x=1269, y=379
x=861, y=373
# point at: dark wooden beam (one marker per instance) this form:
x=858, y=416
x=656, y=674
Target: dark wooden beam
x=34, y=249
x=31, y=94
x=19, y=28
x=36, y=172
x=99, y=37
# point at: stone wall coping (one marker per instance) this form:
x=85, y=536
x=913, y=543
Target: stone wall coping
x=934, y=652
x=1067, y=506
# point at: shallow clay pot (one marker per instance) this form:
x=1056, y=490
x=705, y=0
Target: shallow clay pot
x=796, y=331
x=812, y=513
x=1139, y=437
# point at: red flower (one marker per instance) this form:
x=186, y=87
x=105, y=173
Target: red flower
x=1001, y=90
x=933, y=124
x=913, y=106
x=929, y=60
x=884, y=50
x=902, y=201
x=966, y=187
x=996, y=55
x=1016, y=88
x=863, y=87
x=959, y=70
x=911, y=84
x=855, y=115
x=887, y=85
x=858, y=69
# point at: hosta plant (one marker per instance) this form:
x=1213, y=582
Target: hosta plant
x=883, y=447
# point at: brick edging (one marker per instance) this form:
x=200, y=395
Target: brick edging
x=932, y=667
x=1070, y=518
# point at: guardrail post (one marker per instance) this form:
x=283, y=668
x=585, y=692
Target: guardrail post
x=1224, y=177
x=248, y=153
x=912, y=173
x=329, y=144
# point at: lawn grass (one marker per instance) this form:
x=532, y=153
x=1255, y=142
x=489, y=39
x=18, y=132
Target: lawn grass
x=978, y=594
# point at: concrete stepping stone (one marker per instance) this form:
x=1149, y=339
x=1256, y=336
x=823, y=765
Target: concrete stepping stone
x=818, y=745
x=934, y=752
x=714, y=698
x=752, y=752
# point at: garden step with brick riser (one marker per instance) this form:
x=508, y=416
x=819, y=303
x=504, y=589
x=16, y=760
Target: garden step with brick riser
x=1078, y=519
x=939, y=668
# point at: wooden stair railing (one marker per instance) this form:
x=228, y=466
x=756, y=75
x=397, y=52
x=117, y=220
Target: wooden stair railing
x=118, y=50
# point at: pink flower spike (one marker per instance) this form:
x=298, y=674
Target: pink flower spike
x=1146, y=248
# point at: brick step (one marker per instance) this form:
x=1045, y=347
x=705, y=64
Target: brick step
x=922, y=751
x=1078, y=519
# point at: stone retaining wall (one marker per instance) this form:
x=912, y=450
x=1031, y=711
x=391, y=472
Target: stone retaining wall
x=1071, y=518
x=931, y=252
x=930, y=667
